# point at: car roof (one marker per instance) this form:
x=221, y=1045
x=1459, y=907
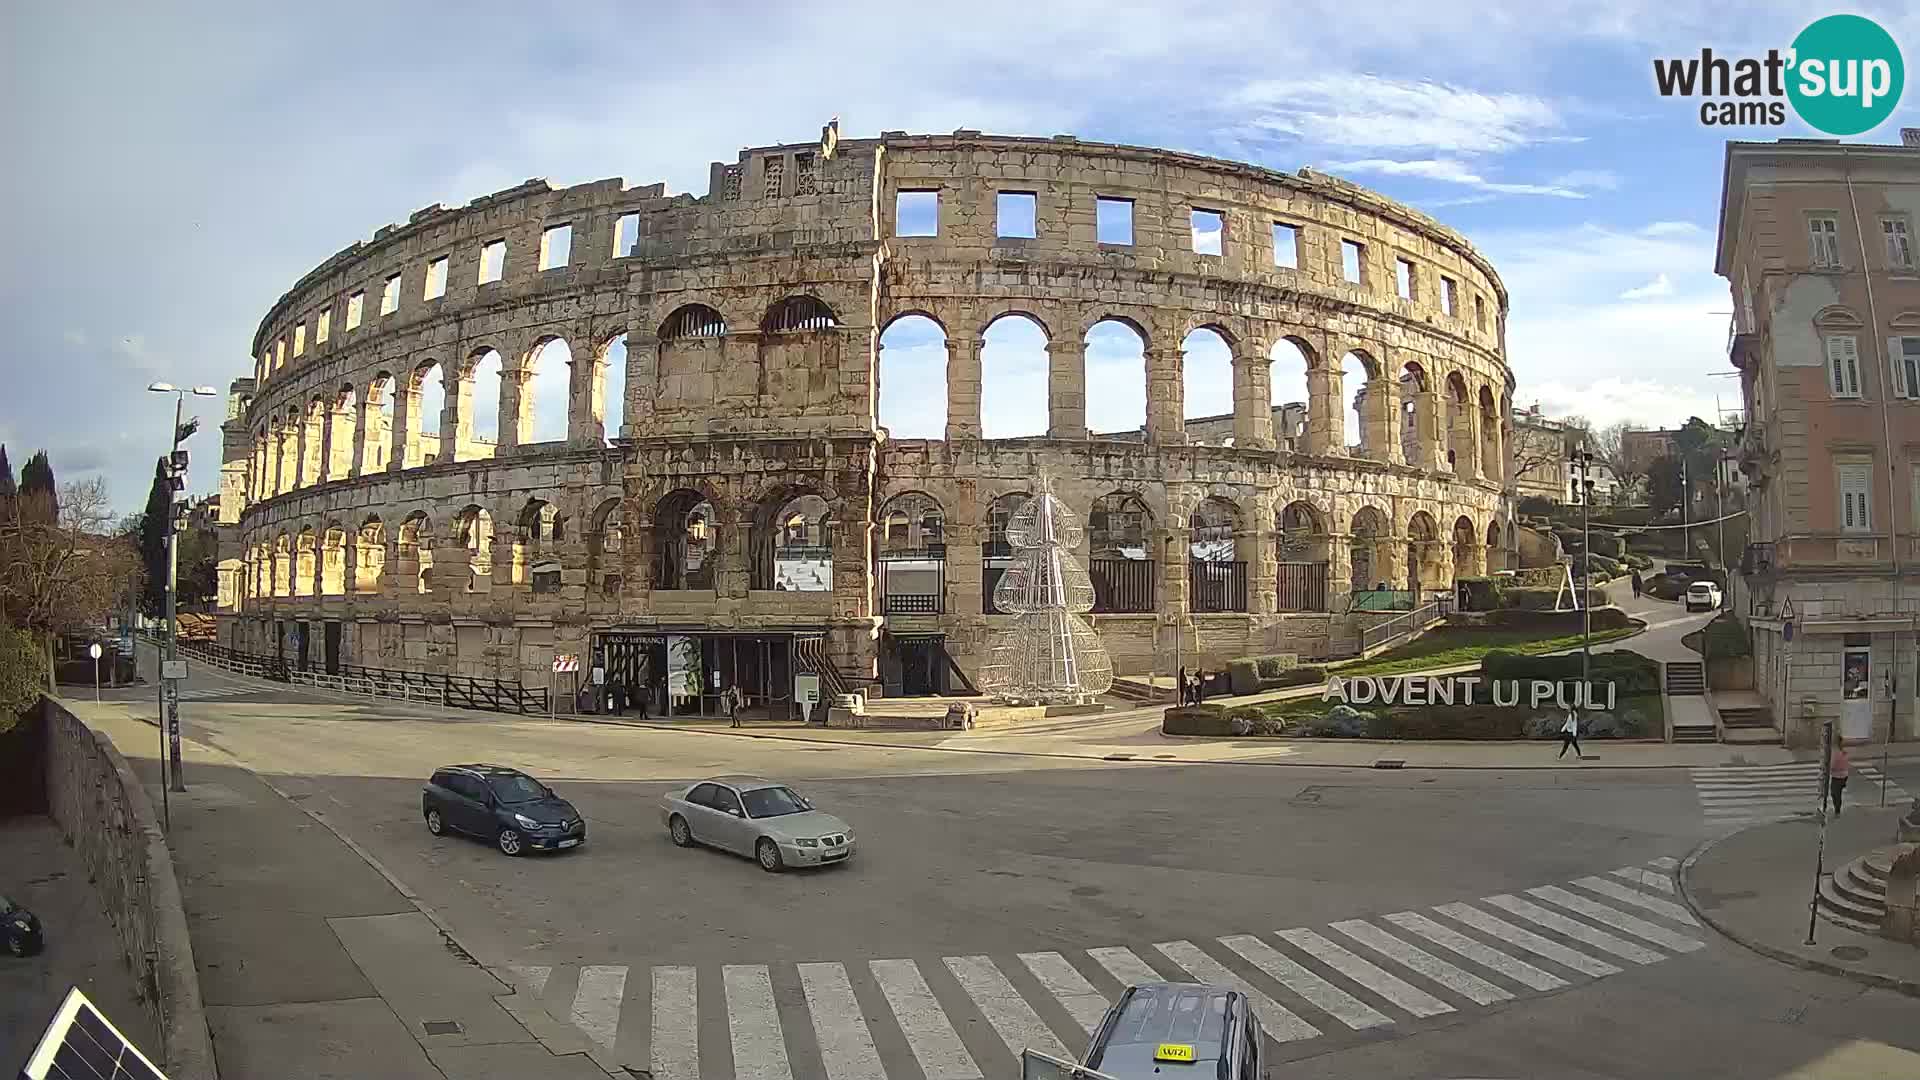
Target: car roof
x=1153, y=1014
x=482, y=770
x=743, y=783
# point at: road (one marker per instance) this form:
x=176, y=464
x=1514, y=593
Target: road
x=998, y=899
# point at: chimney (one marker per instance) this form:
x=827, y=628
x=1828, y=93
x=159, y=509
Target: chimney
x=1910, y=136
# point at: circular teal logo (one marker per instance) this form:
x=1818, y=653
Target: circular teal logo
x=1846, y=74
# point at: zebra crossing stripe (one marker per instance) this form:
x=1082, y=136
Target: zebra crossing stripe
x=1467, y=985
x=1280, y=1023
x=596, y=1004
x=846, y=1046
x=675, y=1049
x=1617, y=891
x=533, y=978
x=1619, y=920
x=1017, y=1024
x=1344, y=1007
x=753, y=1021
x=1528, y=940
x=1071, y=989
x=1665, y=862
x=1123, y=965
x=935, y=1045
x=1579, y=931
x=1518, y=970
x=1640, y=875
x=1367, y=974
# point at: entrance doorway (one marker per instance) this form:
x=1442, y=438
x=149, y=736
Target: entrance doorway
x=687, y=675
x=331, y=647
x=916, y=666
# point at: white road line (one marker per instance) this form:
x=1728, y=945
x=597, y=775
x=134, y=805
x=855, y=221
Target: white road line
x=1528, y=940
x=1017, y=1024
x=1345, y=1008
x=596, y=1005
x=675, y=1040
x=533, y=978
x=1579, y=931
x=1664, y=862
x=1617, y=919
x=759, y=1051
x=1664, y=908
x=1070, y=988
x=1467, y=985
x=1367, y=974
x=846, y=1046
x=1280, y=1023
x=941, y=1054
x=1640, y=875
x=1487, y=956
x=1123, y=965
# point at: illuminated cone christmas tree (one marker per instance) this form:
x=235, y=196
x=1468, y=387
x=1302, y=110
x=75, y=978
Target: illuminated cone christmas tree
x=1048, y=654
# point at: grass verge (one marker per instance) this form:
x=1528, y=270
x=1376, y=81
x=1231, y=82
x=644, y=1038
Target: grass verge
x=1467, y=645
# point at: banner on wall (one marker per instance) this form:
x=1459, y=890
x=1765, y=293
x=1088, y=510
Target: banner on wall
x=683, y=666
x=1856, y=690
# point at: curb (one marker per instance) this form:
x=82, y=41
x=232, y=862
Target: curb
x=1909, y=987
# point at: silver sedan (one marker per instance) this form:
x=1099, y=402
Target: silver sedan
x=766, y=821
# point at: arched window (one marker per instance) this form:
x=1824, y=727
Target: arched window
x=1121, y=561
x=1116, y=379
x=369, y=556
x=1013, y=378
x=797, y=313
x=684, y=542
x=793, y=539
x=693, y=321
x=913, y=378
x=1206, y=366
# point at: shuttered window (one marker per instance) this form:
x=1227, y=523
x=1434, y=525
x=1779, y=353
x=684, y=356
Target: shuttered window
x=1843, y=365
x=1856, y=497
x=1823, y=237
x=1903, y=356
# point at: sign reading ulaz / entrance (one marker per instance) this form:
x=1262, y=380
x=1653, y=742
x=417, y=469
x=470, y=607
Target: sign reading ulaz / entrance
x=1467, y=690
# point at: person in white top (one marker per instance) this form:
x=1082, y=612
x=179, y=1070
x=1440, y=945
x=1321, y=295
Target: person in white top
x=1570, y=735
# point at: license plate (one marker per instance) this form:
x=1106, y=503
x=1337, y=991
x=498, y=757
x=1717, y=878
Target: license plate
x=833, y=856
x=568, y=843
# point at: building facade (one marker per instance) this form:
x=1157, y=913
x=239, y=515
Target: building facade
x=1540, y=456
x=749, y=516
x=1816, y=244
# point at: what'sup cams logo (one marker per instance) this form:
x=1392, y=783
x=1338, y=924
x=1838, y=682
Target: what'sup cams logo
x=1842, y=75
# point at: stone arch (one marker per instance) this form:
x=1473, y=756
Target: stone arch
x=1492, y=456
x=925, y=312
x=911, y=522
x=313, y=434
x=305, y=559
x=686, y=541
x=1207, y=388
x=369, y=555
x=1121, y=538
x=692, y=321
x=1304, y=560
x=342, y=427
x=691, y=382
x=798, y=314
x=1369, y=411
x=538, y=397
x=597, y=402
x=1462, y=441
x=1015, y=365
x=910, y=554
x=282, y=565
x=996, y=553
x=911, y=395
x=1418, y=428
x=477, y=411
x=1305, y=408
x=376, y=424
x=1469, y=558
x=606, y=544
x=1425, y=555
x=333, y=560
x=1217, y=540
x=791, y=540
x=1369, y=533
x=426, y=398
x=474, y=526
x=1116, y=376
x=1231, y=331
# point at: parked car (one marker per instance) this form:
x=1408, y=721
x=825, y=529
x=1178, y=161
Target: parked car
x=766, y=821
x=20, y=929
x=1703, y=596
x=1166, y=1027
x=514, y=811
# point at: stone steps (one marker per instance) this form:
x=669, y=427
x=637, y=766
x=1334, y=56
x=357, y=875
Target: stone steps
x=1855, y=895
x=1686, y=677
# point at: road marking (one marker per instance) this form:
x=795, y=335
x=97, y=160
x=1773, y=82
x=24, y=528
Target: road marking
x=1528, y=940
x=676, y=1017
x=1579, y=931
x=596, y=1005
x=941, y=1054
x=1619, y=920
x=1345, y=1008
x=1467, y=985
x=759, y=1050
x=1638, y=899
x=1664, y=862
x=533, y=978
x=1280, y=1023
x=1123, y=965
x=1640, y=875
x=1447, y=938
x=1367, y=974
x=1017, y=1024
x=846, y=1046
x=1070, y=988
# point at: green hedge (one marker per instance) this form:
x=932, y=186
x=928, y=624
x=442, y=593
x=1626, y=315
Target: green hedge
x=1553, y=623
x=1538, y=598
x=1631, y=673
x=1218, y=720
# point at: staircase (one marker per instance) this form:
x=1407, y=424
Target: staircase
x=1693, y=721
x=1135, y=690
x=1747, y=723
x=1686, y=677
x=1855, y=896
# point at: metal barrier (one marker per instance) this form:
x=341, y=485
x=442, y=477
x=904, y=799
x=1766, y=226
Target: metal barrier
x=451, y=691
x=1405, y=625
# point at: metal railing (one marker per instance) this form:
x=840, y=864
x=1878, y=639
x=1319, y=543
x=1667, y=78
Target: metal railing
x=1407, y=624
x=450, y=691
x=1301, y=586
x=1122, y=585
x=1216, y=586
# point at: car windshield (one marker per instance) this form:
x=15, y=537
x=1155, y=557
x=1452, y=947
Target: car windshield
x=519, y=789
x=774, y=802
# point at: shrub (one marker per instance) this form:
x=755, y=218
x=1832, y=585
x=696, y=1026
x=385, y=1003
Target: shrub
x=1209, y=720
x=23, y=674
x=1606, y=543
x=1304, y=675
x=1536, y=505
x=1537, y=598
x=1725, y=637
x=1557, y=623
x=1483, y=594
x=1253, y=673
x=1631, y=673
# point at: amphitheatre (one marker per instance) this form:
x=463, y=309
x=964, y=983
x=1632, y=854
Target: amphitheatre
x=782, y=446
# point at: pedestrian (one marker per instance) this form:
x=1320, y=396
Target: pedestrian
x=1638, y=584
x=1838, y=769
x=733, y=705
x=1199, y=687
x=1186, y=688
x=1570, y=735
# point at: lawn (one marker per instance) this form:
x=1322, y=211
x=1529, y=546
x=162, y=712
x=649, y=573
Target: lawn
x=1446, y=647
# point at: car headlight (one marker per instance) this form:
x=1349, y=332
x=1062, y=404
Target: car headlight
x=808, y=843
x=526, y=822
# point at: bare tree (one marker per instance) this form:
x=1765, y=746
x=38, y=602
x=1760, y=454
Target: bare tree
x=1609, y=444
x=1538, y=452
x=60, y=564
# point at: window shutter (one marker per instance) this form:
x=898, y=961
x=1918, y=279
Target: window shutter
x=1856, y=489
x=1843, y=365
x=1899, y=365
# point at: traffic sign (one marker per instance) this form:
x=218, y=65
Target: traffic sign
x=173, y=669
x=565, y=662
x=94, y=650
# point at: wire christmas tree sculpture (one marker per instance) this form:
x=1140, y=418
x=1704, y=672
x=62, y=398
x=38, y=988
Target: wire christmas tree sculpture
x=1048, y=655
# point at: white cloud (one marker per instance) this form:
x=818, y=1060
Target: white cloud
x=1452, y=172
x=1670, y=228
x=1374, y=112
x=76, y=338
x=1594, y=179
x=1661, y=285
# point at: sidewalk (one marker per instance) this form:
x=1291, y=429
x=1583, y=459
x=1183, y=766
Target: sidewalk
x=1754, y=885
x=312, y=962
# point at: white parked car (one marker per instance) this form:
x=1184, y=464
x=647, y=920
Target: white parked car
x=766, y=821
x=1703, y=596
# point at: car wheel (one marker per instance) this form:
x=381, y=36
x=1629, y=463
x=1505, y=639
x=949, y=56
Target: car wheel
x=435, y=825
x=511, y=842
x=677, y=828
x=768, y=854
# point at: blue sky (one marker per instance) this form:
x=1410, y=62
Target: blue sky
x=173, y=172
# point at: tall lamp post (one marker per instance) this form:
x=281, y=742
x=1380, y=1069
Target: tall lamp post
x=177, y=475
x=1580, y=464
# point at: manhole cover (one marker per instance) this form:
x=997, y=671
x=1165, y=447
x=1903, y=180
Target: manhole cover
x=1390, y=763
x=442, y=1027
x=1848, y=952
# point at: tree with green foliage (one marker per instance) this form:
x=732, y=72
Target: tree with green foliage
x=1664, y=484
x=65, y=570
x=23, y=674
x=7, y=487
x=36, y=478
x=153, y=540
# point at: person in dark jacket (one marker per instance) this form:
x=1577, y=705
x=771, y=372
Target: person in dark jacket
x=1638, y=584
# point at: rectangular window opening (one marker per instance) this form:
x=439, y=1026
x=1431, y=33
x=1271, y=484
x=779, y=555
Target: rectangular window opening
x=1447, y=295
x=1209, y=232
x=1899, y=246
x=323, y=326
x=1907, y=366
x=1843, y=366
x=556, y=246
x=1480, y=311
x=1353, y=265
x=1823, y=235
x=493, y=261
x=1286, y=245
x=280, y=354
x=300, y=339
x=626, y=233
x=1856, y=496
x=436, y=279
x=1113, y=221
x=1403, y=278
x=390, y=296
x=1015, y=211
x=356, y=304
x=916, y=213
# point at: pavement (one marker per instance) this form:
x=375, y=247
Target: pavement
x=40, y=872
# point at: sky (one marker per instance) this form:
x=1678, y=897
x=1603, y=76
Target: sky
x=175, y=168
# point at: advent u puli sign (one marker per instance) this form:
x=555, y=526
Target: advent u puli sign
x=1470, y=690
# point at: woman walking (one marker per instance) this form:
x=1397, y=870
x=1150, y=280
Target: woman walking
x=1570, y=735
x=1838, y=769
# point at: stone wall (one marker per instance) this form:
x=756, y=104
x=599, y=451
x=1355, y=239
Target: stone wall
x=104, y=813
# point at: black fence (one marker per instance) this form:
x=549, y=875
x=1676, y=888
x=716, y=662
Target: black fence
x=451, y=691
x=1301, y=586
x=1122, y=585
x=1216, y=586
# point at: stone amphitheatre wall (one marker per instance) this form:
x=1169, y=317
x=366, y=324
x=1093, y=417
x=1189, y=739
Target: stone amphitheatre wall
x=748, y=322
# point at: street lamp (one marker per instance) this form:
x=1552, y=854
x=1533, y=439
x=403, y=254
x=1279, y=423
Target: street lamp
x=169, y=688
x=1580, y=464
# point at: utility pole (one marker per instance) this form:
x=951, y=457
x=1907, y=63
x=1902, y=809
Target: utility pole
x=177, y=479
x=1686, y=496
x=1583, y=494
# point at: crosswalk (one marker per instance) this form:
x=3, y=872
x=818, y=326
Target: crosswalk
x=1738, y=794
x=214, y=693
x=968, y=1017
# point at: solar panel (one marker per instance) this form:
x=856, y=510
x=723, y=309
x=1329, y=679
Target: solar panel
x=80, y=1044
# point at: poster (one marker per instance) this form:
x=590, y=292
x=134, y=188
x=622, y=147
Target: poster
x=1856, y=693
x=683, y=666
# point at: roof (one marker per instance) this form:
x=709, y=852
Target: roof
x=1740, y=154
